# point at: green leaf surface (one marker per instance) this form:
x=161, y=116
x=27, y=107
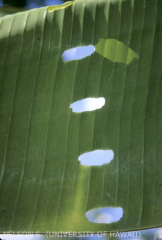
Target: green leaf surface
x=43, y=186
x=115, y=51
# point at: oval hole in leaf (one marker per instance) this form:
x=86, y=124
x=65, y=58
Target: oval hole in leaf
x=78, y=53
x=105, y=215
x=87, y=104
x=96, y=158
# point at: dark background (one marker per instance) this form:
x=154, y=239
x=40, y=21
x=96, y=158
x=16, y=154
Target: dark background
x=30, y=3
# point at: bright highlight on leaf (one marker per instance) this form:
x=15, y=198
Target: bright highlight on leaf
x=78, y=53
x=115, y=51
x=96, y=158
x=105, y=215
x=88, y=104
x=58, y=7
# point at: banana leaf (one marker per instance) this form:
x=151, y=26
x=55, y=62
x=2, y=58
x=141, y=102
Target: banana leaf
x=43, y=185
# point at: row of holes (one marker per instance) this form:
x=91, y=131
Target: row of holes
x=98, y=157
x=105, y=215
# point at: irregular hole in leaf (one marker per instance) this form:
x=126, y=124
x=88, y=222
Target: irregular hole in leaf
x=58, y=7
x=96, y=157
x=105, y=215
x=78, y=53
x=115, y=51
x=88, y=104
